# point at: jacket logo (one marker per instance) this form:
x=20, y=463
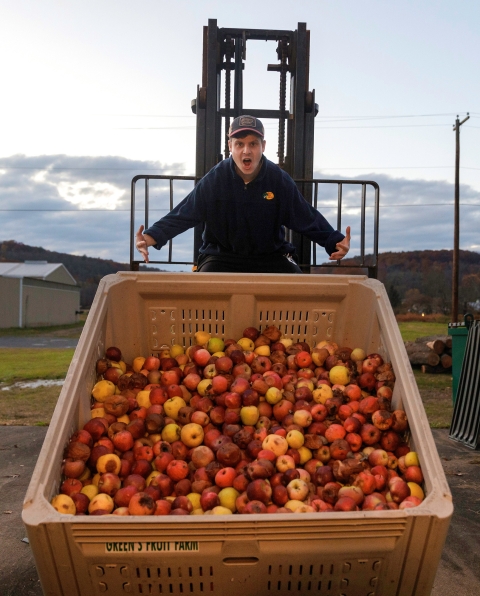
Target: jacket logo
x=268, y=195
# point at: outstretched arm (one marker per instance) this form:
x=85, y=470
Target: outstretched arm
x=142, y=242
x=342, y=247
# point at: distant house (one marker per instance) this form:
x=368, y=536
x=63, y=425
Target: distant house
x=37, y=293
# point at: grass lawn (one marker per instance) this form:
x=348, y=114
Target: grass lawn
x=410, y=330
x=31, y=406
x=21, y=364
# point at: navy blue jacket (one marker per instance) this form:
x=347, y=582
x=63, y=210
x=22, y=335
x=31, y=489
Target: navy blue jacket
x=246, y=220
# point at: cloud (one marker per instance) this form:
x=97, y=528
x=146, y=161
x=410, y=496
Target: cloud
x=81, y=205
x=413, y=214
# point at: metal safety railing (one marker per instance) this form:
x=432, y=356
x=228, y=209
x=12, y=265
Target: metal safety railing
x=309, y=187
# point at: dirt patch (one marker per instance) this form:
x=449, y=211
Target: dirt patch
x=27, y=406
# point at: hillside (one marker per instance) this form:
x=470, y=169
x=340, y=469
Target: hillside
x=418, y=281
x=421, y=281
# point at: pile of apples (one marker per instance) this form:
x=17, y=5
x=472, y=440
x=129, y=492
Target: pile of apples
x=258, y=425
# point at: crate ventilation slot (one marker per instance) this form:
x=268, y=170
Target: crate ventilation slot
x=300, y=325
x=349, y=578
x=174, y=325
x=167, y=580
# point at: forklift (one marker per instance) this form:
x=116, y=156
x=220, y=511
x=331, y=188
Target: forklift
x=225, y=53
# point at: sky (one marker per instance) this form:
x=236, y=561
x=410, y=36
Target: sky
x=97, y=92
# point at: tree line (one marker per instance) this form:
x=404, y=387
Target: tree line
x=416, y=281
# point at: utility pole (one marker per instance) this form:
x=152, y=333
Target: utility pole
x=456, y=224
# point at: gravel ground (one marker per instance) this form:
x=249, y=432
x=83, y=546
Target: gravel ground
x=458, y=571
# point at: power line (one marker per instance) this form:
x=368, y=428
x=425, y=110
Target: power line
x=158, y=209
x=55, y=168
x=75, y=168
x=317, y=125
x=338, y=118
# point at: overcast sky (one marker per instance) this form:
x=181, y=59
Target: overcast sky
x=95, y=92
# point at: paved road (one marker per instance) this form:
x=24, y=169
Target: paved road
x=13, y=341
x=458, y=572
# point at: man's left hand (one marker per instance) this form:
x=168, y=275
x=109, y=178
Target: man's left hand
x=342, y=247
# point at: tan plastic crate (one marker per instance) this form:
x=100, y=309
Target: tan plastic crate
x=379, y=553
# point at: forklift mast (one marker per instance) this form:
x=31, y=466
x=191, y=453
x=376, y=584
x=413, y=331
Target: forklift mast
x=225, y=49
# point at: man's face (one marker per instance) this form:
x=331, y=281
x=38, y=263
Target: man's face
x=247, y=155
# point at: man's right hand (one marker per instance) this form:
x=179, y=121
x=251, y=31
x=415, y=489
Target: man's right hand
x=142, y=243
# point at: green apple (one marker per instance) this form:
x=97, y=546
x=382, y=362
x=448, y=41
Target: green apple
x=215, y=344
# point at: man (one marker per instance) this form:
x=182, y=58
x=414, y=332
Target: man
x=245, y=202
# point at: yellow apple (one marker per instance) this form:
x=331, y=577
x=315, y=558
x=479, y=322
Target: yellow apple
x=201, y=337
x=102, y=390
x=194, y=499
x=176, y=350
x=171, y=433
x=293, y=504
x=219, y=510
x=262, y=350
x=143, y=398
x=273, y=395
x=90, y=490
x=110, y=462
x=137, y=363
x=305, y=454
x=295, y=439
x=339, y=375
x=98, y=413
x=64, y=504
x=411, y=459
x=192, y=434
x=172, y=405
x=101, y=501
x=249, y=415
x=247, y=344
x=204, y=386
x=358, y=355
x=322, y=393
x=228, y=497
x=416, y=490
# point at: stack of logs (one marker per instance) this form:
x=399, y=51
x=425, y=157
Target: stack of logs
x=433, y=354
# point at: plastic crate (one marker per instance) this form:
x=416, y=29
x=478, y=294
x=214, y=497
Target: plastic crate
x=351, y=554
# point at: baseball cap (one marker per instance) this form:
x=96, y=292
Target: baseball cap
x=246, y=123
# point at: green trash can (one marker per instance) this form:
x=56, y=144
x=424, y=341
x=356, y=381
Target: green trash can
x=459, y=332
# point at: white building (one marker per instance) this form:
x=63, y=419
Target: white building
x=37, y=293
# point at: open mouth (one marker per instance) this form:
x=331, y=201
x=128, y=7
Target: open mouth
x=247, y=162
